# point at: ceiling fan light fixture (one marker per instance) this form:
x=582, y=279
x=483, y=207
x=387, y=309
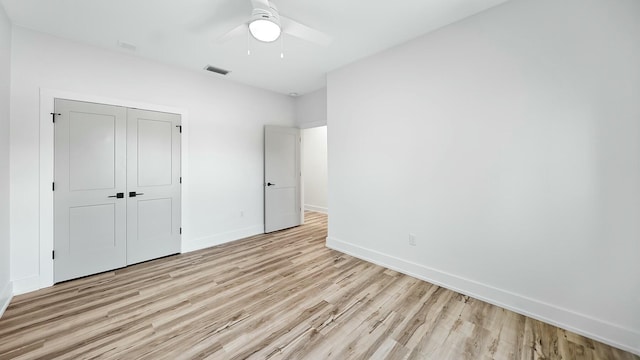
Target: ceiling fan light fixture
x=265, y=30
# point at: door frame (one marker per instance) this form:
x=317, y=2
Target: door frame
x=47, y=96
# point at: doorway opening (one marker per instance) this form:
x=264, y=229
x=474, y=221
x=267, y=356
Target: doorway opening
x=314, y=169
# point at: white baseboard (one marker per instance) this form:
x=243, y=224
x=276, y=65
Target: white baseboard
x=319, y=209
x=5, y=297
x=26, y=285
x=612, y=334
x=217, y=239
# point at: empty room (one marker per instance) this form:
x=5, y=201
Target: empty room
x=297, y=179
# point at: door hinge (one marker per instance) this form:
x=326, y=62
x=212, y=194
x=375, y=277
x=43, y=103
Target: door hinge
x=53, y=117
x=180, y=231
x=179, y=127
x=53, y=186
x=180, y=179
x=53, y=254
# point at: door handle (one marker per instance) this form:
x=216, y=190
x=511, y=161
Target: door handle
x=134, y=194
x=270, y=184
x=118, y=195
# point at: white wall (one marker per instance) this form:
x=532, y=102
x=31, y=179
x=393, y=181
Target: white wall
x=509, y=144
x=314, y=168
x=224, y=134
x=5, y=80
x=311, y=109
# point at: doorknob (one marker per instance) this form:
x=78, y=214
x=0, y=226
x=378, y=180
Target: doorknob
x=270, y=184
x=118, y=195
x=134, y=194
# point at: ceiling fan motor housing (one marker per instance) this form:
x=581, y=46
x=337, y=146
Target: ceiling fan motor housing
x=270, y=13
x=266, y=25
x=265, y=21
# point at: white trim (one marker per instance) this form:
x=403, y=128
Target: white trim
x=612, y=334
x=209, y=241
x=26, y=285
x=5, y=297
x=312, y=124
x=319, y=209
x=47, y=96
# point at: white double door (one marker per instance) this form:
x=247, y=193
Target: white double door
x=116, y=189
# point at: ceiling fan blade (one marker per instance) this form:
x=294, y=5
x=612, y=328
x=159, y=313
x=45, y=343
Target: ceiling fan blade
x=237, y=31
x=304, y=32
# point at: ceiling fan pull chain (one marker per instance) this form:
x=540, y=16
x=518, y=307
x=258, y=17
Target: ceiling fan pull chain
x=281, y=46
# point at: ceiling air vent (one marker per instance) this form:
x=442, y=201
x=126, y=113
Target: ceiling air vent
x=127, y=46
x=217, y=70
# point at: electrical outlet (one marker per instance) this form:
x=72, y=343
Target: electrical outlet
x=412, y=239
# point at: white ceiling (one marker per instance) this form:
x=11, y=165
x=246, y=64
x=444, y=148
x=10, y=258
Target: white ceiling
x=184, y=32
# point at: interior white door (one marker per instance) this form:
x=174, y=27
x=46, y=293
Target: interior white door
x=90, y=182
x=282, y=198
x=153, y=185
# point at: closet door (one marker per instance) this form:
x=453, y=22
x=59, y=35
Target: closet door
x=89, y=188
x=153, y=185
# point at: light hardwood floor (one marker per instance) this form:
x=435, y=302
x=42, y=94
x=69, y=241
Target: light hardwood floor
x=281, y=295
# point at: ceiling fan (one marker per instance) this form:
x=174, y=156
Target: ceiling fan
x=267, y=25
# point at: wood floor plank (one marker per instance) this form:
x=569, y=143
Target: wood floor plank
x=275, y=296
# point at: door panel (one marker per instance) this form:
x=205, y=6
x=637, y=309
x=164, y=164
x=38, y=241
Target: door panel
x=282, y=199
x=90, y=160
x=92, y=144
x=154, y=152
x=283, y=162
x=153, y=173
x=154, y=235
x=92, y=228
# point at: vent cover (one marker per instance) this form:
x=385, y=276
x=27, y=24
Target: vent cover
x=127, y=46
x=216, y=70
